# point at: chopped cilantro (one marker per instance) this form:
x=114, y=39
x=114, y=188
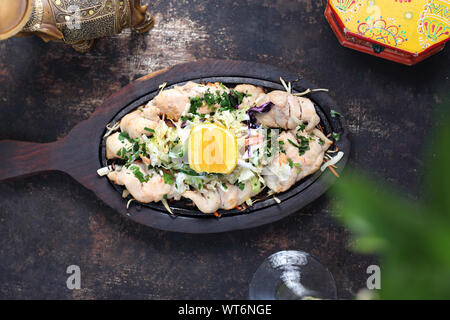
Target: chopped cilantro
x=168, y=178
x=136, y=146
x=336, y=136
x=303, y=147
x=190, y=172
x=210, y=98
x=122, y=152
x=239, y=96
x=293, y=143
x=335, y=114
x=196, y=103
x=123, y=136
x=226, y=103
x=138, y=174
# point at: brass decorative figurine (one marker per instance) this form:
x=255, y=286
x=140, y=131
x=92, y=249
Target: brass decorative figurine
x=75, y=22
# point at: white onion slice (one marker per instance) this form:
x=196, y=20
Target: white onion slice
x=104, y=171
x=333, y=161
x=166, y=205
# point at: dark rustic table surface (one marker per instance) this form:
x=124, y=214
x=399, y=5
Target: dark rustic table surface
x=48, y=222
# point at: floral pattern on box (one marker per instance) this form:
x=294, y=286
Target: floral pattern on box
x=408, y=25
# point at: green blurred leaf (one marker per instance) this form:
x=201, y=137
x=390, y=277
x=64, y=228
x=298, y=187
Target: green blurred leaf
x=438, y=164
x=412, y=239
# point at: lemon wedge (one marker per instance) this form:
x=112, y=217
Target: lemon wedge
x=212, y=149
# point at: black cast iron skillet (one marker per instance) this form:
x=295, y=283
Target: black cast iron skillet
x=82, y=151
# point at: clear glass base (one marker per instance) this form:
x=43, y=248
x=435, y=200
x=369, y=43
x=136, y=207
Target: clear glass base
x=292, y=275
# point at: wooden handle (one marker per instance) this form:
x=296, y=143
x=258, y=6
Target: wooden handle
x=25, y=158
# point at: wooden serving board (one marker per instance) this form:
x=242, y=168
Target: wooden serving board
x=81, y=153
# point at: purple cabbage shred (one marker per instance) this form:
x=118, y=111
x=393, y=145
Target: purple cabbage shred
x=266, y=107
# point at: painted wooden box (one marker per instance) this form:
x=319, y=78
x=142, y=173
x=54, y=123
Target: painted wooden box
x=404, y=31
